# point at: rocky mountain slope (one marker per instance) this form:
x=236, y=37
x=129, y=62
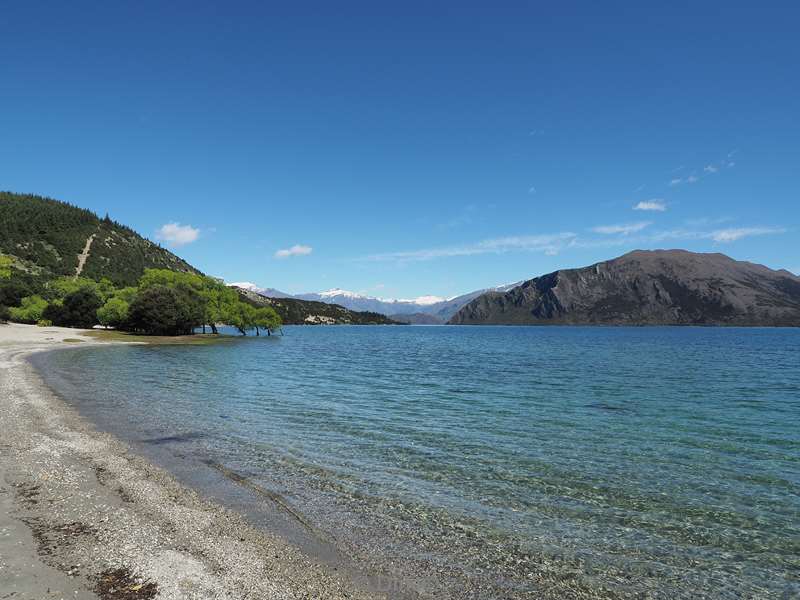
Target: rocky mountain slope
x=661, y=287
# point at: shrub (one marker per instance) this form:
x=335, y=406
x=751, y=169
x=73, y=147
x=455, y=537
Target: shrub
x=31, y=310
x=113, y=313
x=44, y=323
x=5, y=314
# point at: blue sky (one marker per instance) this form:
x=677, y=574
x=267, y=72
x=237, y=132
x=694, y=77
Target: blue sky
x=422, y=148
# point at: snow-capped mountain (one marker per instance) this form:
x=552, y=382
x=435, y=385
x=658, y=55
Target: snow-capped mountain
x=268, y=292
x=440, y=308
x=386, y=306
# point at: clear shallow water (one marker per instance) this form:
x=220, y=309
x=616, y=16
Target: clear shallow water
x=495, y=461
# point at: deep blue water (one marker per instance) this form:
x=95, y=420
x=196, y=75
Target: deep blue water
x=495, y=461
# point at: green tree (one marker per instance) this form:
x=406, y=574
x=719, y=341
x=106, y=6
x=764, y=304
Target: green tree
x=220, y=302
x=78, y=309
x=114, y=313
x=61, y=287
x=241, y=316
x=169, y=278
x=31, y=310
x=162, y=310
x=266, y=318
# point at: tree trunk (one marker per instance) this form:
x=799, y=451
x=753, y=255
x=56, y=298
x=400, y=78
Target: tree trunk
x=204, y=328
x=257, y=332
x=214, y=329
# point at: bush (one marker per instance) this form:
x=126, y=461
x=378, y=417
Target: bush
x=12, y=292
x=162, y=310
x=79, y=309
x=113, y=313
x=5, y=314
x=44, y=323
x=31, y=310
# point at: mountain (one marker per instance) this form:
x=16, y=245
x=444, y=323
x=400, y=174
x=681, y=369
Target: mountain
x=660, y=287
x=442, y=309
x=355, y=301
x=47, y=238
x=269, y=292
x=445, y=310
x=294, y=311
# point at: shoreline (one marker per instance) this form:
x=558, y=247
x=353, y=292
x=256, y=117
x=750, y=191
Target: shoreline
x=81, y=514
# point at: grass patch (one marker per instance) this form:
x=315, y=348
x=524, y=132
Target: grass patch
x=72, y=340
x=198, y=339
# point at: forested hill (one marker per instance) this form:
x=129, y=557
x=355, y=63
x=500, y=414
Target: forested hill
x=45, y=238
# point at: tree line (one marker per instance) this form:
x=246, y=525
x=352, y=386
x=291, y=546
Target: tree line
x=163, y=302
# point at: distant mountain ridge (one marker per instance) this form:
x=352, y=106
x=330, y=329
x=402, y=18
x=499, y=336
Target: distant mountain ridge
x=294, y=311
x=441, y=309
x=658, y=287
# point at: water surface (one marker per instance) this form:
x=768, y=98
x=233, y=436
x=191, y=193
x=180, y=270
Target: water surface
x=493, y=462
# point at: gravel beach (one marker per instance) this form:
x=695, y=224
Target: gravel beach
x=83, y=517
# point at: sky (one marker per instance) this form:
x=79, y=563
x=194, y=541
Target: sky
x=412, y=148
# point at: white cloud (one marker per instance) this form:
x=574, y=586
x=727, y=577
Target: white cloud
x=676, y=181
x=623, y=229
x=692, y=179
x=655, y=204
x=296, y=250
x=711, y=169
x=176, y=234
x=731, y=235
x=532, y=190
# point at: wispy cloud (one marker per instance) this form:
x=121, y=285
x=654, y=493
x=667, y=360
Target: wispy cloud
x=676, y=181
x=731, y=235
x=622, y=229
x=531, y=243
x=532, y=190
x=176, y=234
x=711, y=168
x=628, y=235
x=720, y=236
x=655, y=204
x=296, y=250
x=692, y=179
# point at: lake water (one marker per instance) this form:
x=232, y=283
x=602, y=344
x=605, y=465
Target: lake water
x=491, y=462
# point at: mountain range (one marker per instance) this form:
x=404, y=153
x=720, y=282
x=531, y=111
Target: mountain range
x=422, y=310
x=45, y=239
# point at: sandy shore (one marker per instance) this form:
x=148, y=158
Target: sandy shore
x=83, y=517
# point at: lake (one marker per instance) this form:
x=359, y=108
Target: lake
x=486, y=462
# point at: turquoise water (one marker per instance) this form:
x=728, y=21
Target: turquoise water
x=495, y=462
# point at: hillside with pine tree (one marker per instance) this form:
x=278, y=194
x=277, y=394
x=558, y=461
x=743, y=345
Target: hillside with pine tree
x=46, y=237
